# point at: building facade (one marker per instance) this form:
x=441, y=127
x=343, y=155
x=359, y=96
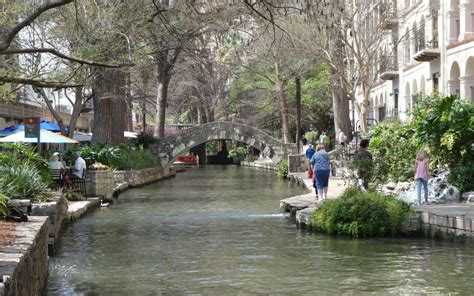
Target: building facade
x=432, y=51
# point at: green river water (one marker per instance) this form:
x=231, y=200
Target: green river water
x=217, y=231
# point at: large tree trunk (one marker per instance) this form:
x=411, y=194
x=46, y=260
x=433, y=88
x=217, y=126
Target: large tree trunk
x=340, y=104
x=280, y=89
x=165, y=61
x=298, y=110
x=110, y=108
x=161, y=102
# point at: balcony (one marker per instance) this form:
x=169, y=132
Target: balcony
x=388, y=69
x=428, y=53
x=389, y=75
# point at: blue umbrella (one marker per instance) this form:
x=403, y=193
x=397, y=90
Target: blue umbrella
x=9, y=129
x=45, y=125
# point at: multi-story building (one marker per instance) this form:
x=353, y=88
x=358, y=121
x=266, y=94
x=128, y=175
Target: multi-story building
x=435, y=53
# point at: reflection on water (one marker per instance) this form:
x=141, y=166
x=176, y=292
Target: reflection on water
x=217, y=230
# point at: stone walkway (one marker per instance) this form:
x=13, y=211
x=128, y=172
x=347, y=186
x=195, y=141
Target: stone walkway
x=441, y=220
x=296, y=203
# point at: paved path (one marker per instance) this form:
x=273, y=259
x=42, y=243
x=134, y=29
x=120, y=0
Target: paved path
x=299, y=202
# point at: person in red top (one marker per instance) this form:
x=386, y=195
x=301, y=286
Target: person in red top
x=422, y=172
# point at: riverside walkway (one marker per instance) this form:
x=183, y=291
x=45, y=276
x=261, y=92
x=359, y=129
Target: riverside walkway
x=308, y=202
x=436, y=220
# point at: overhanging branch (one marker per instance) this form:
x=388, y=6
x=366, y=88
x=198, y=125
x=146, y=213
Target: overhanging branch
x=4, y=44
x=37, y=83
x=61, y=55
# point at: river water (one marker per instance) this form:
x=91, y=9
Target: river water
x=217, y=230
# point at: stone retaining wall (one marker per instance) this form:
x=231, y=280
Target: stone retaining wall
x=57, y=211
x=106, y=183
x=435, y=225
x=260, y=165
x=24, y=264
x=100, y=183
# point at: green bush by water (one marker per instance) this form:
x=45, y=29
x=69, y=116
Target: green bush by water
x=359, y=214
x=282, y=169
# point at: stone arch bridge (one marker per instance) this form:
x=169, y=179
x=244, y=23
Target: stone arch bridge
x=170, y=147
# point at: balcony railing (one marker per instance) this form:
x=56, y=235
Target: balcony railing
x=388, y=67
x=428, y=52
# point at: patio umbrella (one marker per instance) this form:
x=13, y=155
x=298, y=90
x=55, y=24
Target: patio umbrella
x=45, y=137
x=44, y=124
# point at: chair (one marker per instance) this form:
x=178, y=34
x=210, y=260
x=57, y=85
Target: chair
x=57, y=177
x=80, y=184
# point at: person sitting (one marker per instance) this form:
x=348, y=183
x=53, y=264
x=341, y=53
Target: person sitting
x=77, y=169
x=56, y=163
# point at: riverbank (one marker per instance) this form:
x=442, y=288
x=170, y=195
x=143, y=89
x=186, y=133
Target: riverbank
x=442, y=221
x=24, y=252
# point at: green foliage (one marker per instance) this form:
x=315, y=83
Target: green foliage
x=23, y=181
x=133, y=159
x=282, y=169
x=442, y=125
x=211, y=147
x=360, y=214
x=121, y=157
x=237, y=153
x=394, y=148
x=3, y=205
x=446, y=125
x=16, y=154
x=144, y=140
x=250, y=158
x=462, y=176
x=72, y=194
x=9, y=212
x=312, y=137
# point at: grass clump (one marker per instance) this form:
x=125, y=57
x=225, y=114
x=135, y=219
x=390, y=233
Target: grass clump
x=359, y=214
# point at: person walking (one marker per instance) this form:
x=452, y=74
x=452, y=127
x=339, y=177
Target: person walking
x=309, y=153
x=326, y=141
x=321, y=164
x=364, y=165
x=342, y=139
x=422, y=172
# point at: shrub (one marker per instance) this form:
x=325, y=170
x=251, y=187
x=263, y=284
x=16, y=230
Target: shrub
x=394, y=148
x=237, y=154
x=23, y=182
x=121, y=157
x=133, y=159
x=312, y=137
x=144, y=140
x=19, y=153
x=462, y=176
x=360, y=214
x=3, y=205
x=282, y=169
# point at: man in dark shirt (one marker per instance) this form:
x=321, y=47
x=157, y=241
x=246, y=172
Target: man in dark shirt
x=363, y=161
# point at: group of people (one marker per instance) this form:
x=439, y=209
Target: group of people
x=68, y=174
x=319, y=167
